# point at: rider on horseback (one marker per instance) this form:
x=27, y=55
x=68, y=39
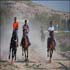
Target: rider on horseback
x=14, y=40
x=26, y=28
x=15, y=26
x=25, y=43
x=25, y=32
x=51, y=36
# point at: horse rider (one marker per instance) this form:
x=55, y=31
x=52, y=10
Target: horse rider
x=51, y=27
x=14, y=39
x=25, y=31
x=51, y=35
x=15, y=26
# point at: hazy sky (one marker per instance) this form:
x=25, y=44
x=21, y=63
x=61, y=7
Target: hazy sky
x=57, y=5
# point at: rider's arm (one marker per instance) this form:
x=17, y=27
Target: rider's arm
x=49, y=29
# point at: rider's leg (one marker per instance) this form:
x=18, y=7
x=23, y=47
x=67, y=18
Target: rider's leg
x=17, y=34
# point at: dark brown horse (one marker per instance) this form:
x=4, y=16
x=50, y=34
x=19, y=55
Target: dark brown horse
x=51, y=45
x=25, y=45
x=13, y=45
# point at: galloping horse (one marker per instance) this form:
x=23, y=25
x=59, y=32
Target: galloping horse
x=25, y=45
x=13, y=45
x=51, y=45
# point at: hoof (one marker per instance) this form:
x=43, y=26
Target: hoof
x=22, y=54
x=12, y=61
x=26, y=60
x=49, y=61
x=47, y=55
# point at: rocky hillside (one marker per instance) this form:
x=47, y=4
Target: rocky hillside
x=30, y=10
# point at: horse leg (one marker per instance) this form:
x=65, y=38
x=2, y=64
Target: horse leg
x=47, y=52
x=49, y=55
x=22, y=51
x=9, y=52
x=12, y=53
x=15, y=50
x=51, y=52
x=27, y=53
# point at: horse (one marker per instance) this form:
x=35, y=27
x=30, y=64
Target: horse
x=25, y=45
x=13, y=45
x=51, y=45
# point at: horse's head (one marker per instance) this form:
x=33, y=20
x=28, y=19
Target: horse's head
x=51, y=34
x=24, y=32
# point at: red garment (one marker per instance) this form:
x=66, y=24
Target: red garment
x=15, y=25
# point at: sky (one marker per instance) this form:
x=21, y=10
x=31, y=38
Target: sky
x=56, y=5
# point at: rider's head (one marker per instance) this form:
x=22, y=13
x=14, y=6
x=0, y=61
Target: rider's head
x=51, y=23
x=25, y=22
x=15, y=19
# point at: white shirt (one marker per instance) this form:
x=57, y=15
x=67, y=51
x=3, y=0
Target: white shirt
x=51, y=28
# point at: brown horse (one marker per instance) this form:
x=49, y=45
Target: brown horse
x=51, y=45
x=25, y=46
